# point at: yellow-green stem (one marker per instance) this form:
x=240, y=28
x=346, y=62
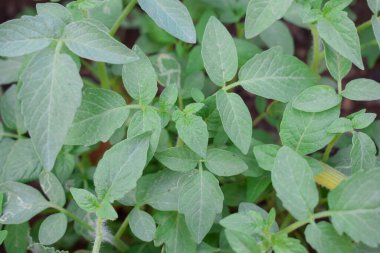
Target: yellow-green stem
x=103, y=75
x=98, y=237
x=122, y=16
x=122, y=228
x=316, y=54
x=329, y=148
x=364, y=26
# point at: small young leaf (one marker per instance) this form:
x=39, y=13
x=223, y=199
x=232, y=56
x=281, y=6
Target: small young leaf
x=362, y=90
x=339, y=32
x=121, y=167
x=265, y=155
x=52, y=228
x=97, y=118
x=52, y=188
x=142, y=225
x=273, y=75
x=224, y=163
x=291, y=169
x=236, y=119
x=172, y=16
x=178, y=158
x=287, y=245
x=336, y=5
x=106, y=211
x=363, y=153
x=140, y=79
x=263, y=13
x=85, y=199
x=219, y=52
x=337, y=65
x=324, y=239
x=363, y=120
x=88, y=41
x=200, y=199
x=317, y=99
x=241, y=242
x=355, y=206
x=23, y=202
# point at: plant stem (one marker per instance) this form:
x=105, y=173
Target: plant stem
x=231, y=86
x=4, y=134
x=72, y=216
x=122, y=228
x=122, y=16
x=316, y=54
x=364, y=26
x=103, y=75
x=98, y=237
x=329, y=177
x=340, y=86
x=330, y=146
x=259, y=118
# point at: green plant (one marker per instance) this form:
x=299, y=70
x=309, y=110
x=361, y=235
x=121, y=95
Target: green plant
x=187, y=161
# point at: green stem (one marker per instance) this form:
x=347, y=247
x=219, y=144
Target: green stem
x=122, y=16
x=329, y=147
x=259, y=119
x=103, y=76
x=122, y=228
x=4, y=134
x=231, y=86
x=340, y=86
x=301, y=223
x=316, y=54
x=364, y=26
x=98, y=237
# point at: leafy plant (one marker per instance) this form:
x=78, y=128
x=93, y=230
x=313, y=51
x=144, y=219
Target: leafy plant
x=186, y=166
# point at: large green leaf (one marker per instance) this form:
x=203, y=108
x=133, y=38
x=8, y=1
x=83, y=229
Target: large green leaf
x=291, y=169
x=23, y=202
x=56, y=14
x=11, y=111
x=219, y=52
x=178, y=158
x=362, y=90
x=172, y=16
x=200, y=200
x=24, y=36
x=97, y=118
x=263, y=13
x=323, y=238
x=363, y=153
x=52, y=228
x=236, y=119
x=339, y=32
x=224, y=163
x=88, y=41
x=241, y=242
x=355, y=207
x=273, y=75
x=140, y=79
x=50, y=96
x=142, y=225
x=12, y=168
x=307, y=132
x=121, y=167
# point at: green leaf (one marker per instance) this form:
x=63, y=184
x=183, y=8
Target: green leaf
x=193, y=108
x=288, y=245
x=278, y=34
x=200, y=200
x=256, y=187
x=193, y=131
x=324, y=239
x=39, y=248
x=11, y=111
x=50, y=95
x=374, y=5
x=52, y=228
x=24, y=36
x=376, y=28
x=317, y=99
x=336, y=5
x=172, y=16
x=307, y=132
x=87, y=41
x=17, y=238
x=337, y=65
x=168, y=69
x=363, y=152
x=355, y=207
x=363, y=120
x=85, y=199
x=339, y=32
x=263, y=13
x=3, y=235
x=140, y=79
x=241, y=242
x=362, y=90
x=9, y=69
x=172, y=231
x=224, y=163
x=23, y=202
x=293, y=180
x=273, y=75
x=57, y=14
x=107, y=12
x=219, y=52
x=144, y=121
x=249, y=222
x=97, y=118
x=12, y=168
x=178, y=158
x=142, y=225
x=340, y=125
x=106, y=211
x=121, y=167
x=236, y=119
x=52, y=188
x=64, y=166
x=265, y=155
x=1, y=202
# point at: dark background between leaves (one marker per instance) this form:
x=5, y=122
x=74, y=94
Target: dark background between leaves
x=10, y=9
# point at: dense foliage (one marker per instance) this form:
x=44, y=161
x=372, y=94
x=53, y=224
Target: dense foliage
x=186, y=168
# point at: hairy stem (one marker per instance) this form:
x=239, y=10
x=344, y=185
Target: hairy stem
x=98, y=237
x=316, y=54
x=330, y=146
x=122, y=228
x=122, y=16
